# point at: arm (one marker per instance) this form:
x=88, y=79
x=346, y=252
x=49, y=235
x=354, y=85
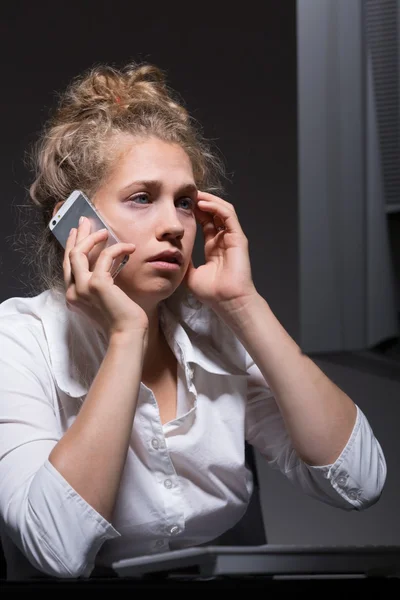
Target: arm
x=308, y=428
x=56, y=528
x=319, y=417
x=353, y=482
x=91, y=454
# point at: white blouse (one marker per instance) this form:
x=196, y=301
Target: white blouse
x=184, y=482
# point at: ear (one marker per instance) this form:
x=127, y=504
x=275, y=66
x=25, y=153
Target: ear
x=57, y=206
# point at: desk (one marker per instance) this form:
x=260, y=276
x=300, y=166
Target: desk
x=268, y=561
x=268, y=567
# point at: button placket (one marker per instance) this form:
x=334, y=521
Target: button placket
x=165, y=475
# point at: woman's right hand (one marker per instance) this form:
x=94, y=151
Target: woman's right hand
x=94, y=292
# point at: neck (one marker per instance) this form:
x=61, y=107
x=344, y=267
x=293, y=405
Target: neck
x=156, y=345
x=155, y=333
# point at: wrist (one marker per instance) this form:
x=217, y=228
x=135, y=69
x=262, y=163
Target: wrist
x=128, y=337
x=239, y=310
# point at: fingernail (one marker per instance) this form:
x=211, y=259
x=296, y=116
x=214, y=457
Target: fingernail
x=81, y=220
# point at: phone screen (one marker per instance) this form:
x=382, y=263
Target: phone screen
x=77, y=205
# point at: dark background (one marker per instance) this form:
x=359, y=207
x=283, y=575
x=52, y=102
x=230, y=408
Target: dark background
x=236, y=71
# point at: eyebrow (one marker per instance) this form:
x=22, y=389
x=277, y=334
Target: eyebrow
x=156, y=184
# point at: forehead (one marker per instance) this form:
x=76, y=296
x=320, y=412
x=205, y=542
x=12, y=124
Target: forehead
x=150, y=158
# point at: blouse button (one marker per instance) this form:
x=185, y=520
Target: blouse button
x=354, y=494
x=174, y=529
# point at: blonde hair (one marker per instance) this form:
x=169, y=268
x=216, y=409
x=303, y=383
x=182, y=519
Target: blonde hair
x=73, y=151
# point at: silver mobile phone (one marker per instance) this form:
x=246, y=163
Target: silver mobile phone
x=76, y=205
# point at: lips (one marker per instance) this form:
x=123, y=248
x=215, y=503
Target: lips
x=171, y=256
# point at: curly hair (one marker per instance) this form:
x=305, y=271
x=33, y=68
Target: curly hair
x=75, y=149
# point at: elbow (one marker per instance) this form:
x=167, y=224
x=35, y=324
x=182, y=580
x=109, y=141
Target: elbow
x=364, y=500
x=47, y=560
x=369, y=499
x=55, y=555
x=370, y=493
x=365, y=503
x=53, y=566
x=54, y=528
x=61, y=571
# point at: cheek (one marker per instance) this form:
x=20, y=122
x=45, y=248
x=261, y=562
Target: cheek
x=190, y=232
x=132, y=232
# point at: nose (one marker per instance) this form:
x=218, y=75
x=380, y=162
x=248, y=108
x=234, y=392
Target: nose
x=169, y=225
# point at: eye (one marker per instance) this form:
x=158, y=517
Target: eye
x=186, y=203
x=139, y=198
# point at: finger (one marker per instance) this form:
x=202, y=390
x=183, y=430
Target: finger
x=84, y=229
x=79, y=259
x=211, y=221
x=205, y=196
x=206, y=221
x=218, y=221
x=109, y=254
x=212, y=198
x=222, y=214
x=66, y=263
x=86, y=242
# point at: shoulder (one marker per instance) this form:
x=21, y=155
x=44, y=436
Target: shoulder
x=25, y=358
x=26, y=308
x=18, y=314
x=33, y=324
x=21, y=326
x=41, y=332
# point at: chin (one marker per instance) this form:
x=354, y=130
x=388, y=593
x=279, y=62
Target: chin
x=155, y=291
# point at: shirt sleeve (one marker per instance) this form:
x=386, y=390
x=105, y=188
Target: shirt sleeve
x=353, y=482
x=52, y=525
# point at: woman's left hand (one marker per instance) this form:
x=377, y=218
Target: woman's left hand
x=225, y=279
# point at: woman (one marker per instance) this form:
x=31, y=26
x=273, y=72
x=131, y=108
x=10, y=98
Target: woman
x=125, y=405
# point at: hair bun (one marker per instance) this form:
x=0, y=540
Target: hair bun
x=111, y=91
